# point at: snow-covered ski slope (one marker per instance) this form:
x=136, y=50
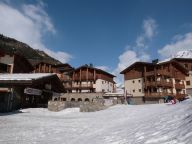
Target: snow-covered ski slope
x=121, y=124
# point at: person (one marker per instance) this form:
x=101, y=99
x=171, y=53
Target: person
x=173, y=101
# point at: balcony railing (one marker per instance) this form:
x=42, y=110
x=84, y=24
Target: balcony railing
x=179, y=86
x=164, y=72
x=179, y=77
x=84, y=77
x=150, y=73
x=74, y=86
x=159, y=83
x=158, y=94
x=159, y=72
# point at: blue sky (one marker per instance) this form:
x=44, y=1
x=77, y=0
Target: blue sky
x=110, y=34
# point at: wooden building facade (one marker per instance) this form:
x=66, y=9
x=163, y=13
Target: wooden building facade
x=90, y=79
x=187, y=63
x=154, y=81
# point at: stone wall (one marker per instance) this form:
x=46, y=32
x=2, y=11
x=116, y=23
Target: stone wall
x=91, y=107
x=96, y=105
x=80, y=96
x=60, y=105
x=87, y=102
x=153, y=100
x=56, y=106
x=135, y=100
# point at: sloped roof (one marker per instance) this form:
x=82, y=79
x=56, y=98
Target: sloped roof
x=134, y=64
x=183, y=69
x=86, y=66
x=32, y=79
x=23, y=76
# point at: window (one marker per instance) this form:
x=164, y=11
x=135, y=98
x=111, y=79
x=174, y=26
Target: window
x=188, y=82
x=133, y=90
x=133, y=81
x=186, y=65
x=139, y=81
x=139, y=90
x=102, y=82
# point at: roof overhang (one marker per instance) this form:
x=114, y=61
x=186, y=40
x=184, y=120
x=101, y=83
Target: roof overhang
x=14, y=80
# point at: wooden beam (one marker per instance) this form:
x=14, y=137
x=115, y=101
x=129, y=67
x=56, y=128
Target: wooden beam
x=87, y=76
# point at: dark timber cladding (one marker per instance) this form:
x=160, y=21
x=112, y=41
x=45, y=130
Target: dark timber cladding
x=186, y=62
x=159, y=76
x=85, y=73
x=20, y=90
x=89, y=75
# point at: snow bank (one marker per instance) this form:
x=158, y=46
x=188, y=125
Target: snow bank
x=121, y=124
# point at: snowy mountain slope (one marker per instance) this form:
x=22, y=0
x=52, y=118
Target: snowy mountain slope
x=122, y=124
x=180, y=54
x=183, y=54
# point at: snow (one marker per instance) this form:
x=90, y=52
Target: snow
x=121, y=124
x=165, y=60
x=181, y=54
x=184, y=54
x=24, y=76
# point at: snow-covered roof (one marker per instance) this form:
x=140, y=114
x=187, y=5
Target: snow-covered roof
x=165, y=60
x=23, y=76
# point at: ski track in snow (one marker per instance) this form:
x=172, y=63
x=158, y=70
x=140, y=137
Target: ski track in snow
x=121, y=124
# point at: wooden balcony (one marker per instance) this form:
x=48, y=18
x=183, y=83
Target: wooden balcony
x=179, y=86
x=179, y=77
x=159, y=84
x=78, y=86
x=150, y=73
x=84, y=78
x=159, y=72
x=158, y=94
x=164, y=72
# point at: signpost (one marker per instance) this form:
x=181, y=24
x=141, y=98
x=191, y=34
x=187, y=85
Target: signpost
x=32, y=91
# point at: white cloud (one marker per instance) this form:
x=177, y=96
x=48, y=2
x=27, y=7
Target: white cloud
x=140, y=41
x=138, y=52
x=181, y=42
x=126, y=59
x=39, y=16
x=29, y=24
x=149, y=26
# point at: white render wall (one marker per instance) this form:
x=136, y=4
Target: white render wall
x=103, y=86
x=133, y=86
x=9, y=60
x=189, y=78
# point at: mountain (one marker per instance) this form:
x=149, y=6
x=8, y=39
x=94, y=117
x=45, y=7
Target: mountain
x=183, y=54
x=180, y=54
x=11, y=46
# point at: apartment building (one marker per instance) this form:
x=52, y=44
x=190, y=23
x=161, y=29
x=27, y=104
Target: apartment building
x=187, y=63
x=89, y=79
x=151, y=82
x=63, y=71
